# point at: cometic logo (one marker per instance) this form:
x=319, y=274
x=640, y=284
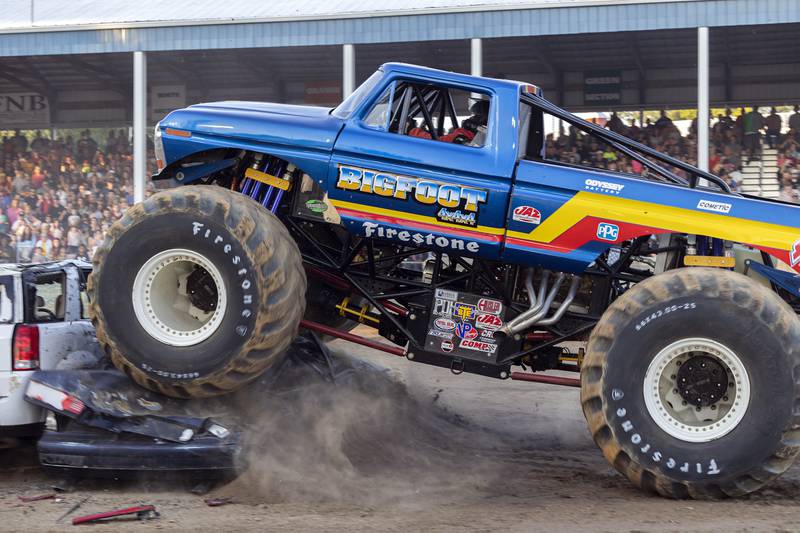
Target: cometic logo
x=718, y=207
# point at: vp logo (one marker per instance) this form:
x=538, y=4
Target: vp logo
x=607, y=232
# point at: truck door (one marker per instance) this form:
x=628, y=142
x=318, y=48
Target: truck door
x=53, y=303
x=420, y=166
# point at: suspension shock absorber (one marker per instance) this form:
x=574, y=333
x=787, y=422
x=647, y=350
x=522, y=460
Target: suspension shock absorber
x=248, y=183
x=287, y=174
x=266, y=181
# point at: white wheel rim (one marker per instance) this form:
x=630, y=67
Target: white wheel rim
x=163, y=305
x=686, y=421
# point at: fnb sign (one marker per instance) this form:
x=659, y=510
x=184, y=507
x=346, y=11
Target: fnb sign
x=607, y=232
x=24, y=109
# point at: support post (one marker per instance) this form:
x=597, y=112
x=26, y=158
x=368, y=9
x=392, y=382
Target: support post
x=348, y=70
x=476, y=57
x=702, y=98
x=139, y=125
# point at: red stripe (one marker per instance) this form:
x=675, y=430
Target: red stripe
x=472, y=234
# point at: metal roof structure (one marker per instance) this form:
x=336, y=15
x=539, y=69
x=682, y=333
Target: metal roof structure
x=54, y=27
x=49, y=15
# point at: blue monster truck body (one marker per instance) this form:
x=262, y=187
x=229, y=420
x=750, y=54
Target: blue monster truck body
x=487, y=201
x=458, y=240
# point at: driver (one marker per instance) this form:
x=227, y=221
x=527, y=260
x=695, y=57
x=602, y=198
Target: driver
x=472, y=127
x=471, y=131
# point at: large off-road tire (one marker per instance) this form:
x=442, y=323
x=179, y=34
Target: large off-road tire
x=663, y=350
x=197, y=291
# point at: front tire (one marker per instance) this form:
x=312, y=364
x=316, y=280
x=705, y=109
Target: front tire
x=690, y=381
x=197, y=291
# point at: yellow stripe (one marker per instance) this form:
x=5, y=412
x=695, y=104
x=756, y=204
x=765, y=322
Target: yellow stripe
x=411, y=216
x=269, y=179
x=670, y=218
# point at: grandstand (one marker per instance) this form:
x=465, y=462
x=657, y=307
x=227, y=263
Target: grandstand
x=120, y=66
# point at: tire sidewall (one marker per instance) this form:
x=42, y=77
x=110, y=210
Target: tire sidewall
x=200, y=233
x=765, y=358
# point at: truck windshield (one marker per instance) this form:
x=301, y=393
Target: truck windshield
x=345, y=109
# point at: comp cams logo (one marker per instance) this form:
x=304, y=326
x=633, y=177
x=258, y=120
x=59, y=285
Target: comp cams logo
x=607, y=232
x=717, y=207
x=607, y=187
x=457, y=204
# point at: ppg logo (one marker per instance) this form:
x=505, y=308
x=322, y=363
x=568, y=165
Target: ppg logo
x=607, y=232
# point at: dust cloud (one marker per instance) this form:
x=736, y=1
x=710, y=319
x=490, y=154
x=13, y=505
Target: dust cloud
x=358, y=437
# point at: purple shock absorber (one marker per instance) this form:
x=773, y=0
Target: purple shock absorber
x=246, y=185
x=279, y=196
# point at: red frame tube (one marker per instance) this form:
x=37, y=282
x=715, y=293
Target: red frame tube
x=552, y=380
x=333, y=332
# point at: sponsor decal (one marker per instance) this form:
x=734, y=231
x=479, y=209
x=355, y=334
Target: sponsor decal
x=486, y=305
x=423, y=191
x=607, y=232
x=717, y=207
x=487, y=334
x=444, y=307
x=447, y=295
x=464, y=311
x=527, y=214
x=478, y=346
x=456, y=217
x=372, y=229
x=440, y=334
x=444, y=324
x=465, y=330
x=447, y=346
x=316, y=206
x=794, y=256
x=607, y=187
x=487, y=321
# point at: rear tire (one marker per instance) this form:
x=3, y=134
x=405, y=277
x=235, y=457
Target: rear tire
x=197, y=291
x=655, y=363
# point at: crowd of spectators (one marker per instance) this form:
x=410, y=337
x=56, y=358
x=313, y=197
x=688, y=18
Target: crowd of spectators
x=734, y=142
x=59, y=197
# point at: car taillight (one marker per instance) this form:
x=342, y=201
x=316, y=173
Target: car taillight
x=26, y=347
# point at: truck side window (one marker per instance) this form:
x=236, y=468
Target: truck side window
x=544, y=138
x=434, y=112
x=46, y=298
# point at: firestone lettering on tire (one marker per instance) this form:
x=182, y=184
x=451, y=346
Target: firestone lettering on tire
x=247, y=298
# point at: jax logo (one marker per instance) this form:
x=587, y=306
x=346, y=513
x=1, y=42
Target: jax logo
x=607, y=232
x=794, y=257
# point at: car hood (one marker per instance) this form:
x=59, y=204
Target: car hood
x=260, y=123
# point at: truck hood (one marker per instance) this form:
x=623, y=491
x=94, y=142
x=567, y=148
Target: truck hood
x=261, y=123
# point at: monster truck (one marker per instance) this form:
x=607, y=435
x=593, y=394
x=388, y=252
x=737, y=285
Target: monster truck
x=426, y=207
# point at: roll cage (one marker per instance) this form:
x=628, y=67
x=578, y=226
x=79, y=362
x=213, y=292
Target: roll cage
x=635, y=150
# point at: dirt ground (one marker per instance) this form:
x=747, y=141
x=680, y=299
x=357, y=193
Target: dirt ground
x=394, y=446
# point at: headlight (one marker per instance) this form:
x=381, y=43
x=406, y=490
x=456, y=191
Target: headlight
x=158, y=146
